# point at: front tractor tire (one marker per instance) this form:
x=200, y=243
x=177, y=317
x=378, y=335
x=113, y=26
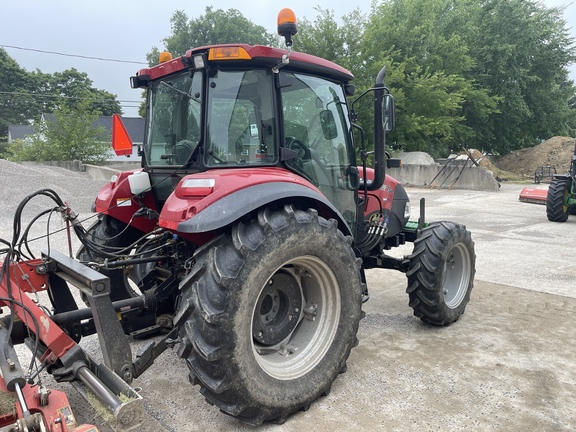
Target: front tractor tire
x=558, y=191
x=441, y=273
x=269, y=314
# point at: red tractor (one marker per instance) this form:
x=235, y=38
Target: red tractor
x=245, y=237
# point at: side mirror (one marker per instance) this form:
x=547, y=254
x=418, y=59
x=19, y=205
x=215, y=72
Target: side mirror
x=388, y=112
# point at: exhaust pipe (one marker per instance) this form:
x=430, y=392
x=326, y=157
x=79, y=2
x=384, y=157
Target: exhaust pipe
x=379, y=135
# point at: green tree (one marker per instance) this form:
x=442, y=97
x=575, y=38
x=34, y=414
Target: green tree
x=325, y=38
x=490, y=74
x=68, y=134
x=16, y=104
x=25, y=96
x=214, y=27
x=521, y=51
x=429, y=74
x=72, y=88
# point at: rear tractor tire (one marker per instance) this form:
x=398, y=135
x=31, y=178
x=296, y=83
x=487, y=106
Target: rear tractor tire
x=558, y=191
x=269, y=314
x=441, y=273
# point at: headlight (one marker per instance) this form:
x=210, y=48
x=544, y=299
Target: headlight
x=198, y=187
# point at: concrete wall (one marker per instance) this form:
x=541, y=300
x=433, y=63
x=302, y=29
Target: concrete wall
x=450, y=177
x=434, y=176
x=69, y=165
x=100, y=172
x=97, y=172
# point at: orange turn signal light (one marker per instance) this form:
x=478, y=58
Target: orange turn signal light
x=228, y=53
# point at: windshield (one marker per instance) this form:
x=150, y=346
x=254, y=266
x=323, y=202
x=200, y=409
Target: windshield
x=241, y=122
x=174, y=128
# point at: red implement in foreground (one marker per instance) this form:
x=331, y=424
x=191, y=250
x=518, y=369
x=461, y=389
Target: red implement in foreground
x=26, y=404
x=45, y=410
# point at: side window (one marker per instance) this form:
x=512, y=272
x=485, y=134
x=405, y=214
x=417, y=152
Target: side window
x=317, y=131
x=315, y=114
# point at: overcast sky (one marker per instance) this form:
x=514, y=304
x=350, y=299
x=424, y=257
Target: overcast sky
x=127, y=30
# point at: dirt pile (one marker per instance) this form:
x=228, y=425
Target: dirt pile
x=556, y=152
x=498, y=173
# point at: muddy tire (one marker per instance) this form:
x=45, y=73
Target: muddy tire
x=441, y=273
x=111, y=233
x=269, y=314
x=556, y=211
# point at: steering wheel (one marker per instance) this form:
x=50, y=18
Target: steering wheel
x=293, y=143
x=183, y=150
x=302, y=153
x=312, y=125
x=306, y=153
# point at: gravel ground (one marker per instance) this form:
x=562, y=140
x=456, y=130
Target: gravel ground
x=18, y=181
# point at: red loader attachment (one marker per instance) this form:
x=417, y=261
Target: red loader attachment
x=35, y=407
x=534, y=196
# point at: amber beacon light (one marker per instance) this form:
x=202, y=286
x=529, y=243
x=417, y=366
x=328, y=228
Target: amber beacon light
x=165, y=56
x=287, y=25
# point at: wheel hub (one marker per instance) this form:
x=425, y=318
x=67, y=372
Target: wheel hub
x=277, y=310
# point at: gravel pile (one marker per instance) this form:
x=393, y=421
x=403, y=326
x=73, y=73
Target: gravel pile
x=416, y=158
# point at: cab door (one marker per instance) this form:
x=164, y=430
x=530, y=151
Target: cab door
x=316, y=129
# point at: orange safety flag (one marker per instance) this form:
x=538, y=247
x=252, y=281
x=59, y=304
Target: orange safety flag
x=121, y=142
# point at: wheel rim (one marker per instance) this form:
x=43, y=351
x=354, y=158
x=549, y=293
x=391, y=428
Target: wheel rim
x=457, y=270
x=300, y=311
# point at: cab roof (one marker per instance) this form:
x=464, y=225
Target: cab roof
x=259, y=56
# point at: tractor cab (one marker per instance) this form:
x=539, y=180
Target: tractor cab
x=233, y=108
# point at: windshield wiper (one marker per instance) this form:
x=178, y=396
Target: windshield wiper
x=182, y=92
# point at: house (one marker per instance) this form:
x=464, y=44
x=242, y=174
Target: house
x=18, y=132
x=134, y=126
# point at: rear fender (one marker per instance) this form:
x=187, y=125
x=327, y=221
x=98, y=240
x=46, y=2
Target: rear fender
x=116, y=200
x=561, y=177
x=237, y=196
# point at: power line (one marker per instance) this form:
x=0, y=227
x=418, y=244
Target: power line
x=61, y=96
x=72, y=55
x=123, y=103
